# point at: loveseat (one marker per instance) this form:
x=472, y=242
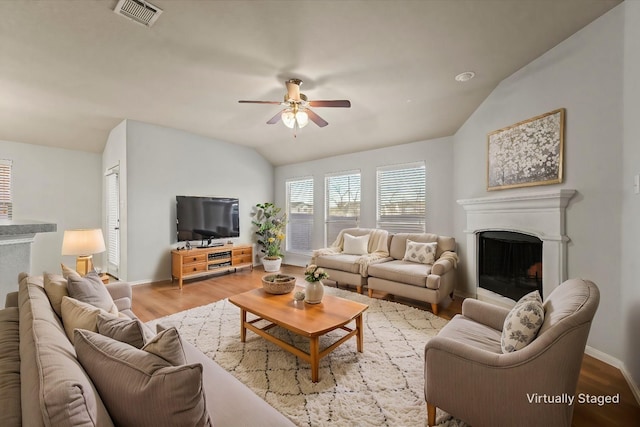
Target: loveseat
x=348, y=258
x=45, y=382
x=424, y=274
x=380, y=261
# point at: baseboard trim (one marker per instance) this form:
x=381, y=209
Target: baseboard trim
x=616, y=363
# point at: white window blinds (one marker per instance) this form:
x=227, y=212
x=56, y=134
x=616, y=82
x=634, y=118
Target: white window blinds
x=6, y=206
x=342, y=203
x=401, y=206
x=299, y=215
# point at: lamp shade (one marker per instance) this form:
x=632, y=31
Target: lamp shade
x=83, y=242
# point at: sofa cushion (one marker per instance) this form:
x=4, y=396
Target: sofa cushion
x=55, y=389
x=341, y=262
x=522, y=323
x=355, y=245
x=399, y=242
x=10, y=415
x=140, y=388
x=475, y=334
x=423, y=253
x=123, y=329
x=55, y=286
x=410, y=273
x=90, y=289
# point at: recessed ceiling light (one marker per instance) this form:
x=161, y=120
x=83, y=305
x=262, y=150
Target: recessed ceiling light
x=466, y=76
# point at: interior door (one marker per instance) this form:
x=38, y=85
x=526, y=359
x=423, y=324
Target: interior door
x=113, y=221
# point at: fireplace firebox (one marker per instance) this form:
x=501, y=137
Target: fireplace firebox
x=509, y=263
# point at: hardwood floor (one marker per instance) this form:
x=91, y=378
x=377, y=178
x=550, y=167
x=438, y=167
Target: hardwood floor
x=597, y=378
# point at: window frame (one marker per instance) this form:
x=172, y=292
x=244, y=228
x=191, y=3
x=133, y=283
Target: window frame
x=350, y=221
x=291, y=219
x=394, y=225
x=6, y=183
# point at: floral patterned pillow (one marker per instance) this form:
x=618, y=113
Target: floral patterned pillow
x=423, y=253
x=522, y=323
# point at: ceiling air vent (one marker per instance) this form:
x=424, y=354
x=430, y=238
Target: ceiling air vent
x=138, y=11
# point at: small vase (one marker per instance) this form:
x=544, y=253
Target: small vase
x=271, y=265
x=314, y=292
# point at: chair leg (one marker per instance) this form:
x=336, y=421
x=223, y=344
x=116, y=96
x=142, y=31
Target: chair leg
x=370, y=292
x=434, y=308
x=431, y=415
x=359, y=289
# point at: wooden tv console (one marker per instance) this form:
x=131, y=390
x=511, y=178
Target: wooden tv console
x=190, y=263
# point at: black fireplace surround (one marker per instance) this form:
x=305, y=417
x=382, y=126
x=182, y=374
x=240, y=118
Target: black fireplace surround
x=509, y=263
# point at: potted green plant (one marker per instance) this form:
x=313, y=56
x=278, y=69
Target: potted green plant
x=270, y=233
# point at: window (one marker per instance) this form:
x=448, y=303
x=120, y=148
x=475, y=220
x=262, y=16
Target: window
x=300, y=215
x=6, y=206
x=401, y=198
x=342, y=203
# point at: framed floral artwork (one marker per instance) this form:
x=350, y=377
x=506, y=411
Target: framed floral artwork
x=527, y=153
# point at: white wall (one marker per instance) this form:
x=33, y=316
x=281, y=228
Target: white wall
x=436, y=153
x=58, y=186
x=584, y=75
x=630, y=288
x=163, y=163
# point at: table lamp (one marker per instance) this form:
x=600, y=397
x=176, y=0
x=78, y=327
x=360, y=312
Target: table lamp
x=83, y=243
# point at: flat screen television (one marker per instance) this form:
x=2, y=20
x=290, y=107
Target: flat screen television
x=207, y=218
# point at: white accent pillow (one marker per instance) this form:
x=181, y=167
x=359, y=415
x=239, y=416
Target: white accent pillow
x=356, y=245
x=522, y=323
x=423, y=253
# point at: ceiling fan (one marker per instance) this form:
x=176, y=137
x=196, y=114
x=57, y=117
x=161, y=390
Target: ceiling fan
x=297, y=113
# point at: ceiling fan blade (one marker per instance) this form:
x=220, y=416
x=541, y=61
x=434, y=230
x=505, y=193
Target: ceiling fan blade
x=275, y=119
x=260, y=102
x=316, y=118
x=337, y=103
x=293, y=89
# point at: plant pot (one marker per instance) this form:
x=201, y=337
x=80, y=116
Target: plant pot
x=314, y=292
x=271, y=265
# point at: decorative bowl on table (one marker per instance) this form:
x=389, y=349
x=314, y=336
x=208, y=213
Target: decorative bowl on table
x=278, y=284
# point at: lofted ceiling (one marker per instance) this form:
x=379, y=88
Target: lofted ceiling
x=70, y=71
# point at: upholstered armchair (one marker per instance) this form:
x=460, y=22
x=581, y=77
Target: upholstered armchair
x=468, y=375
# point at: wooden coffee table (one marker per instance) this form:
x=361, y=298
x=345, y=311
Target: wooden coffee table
x=308, y=320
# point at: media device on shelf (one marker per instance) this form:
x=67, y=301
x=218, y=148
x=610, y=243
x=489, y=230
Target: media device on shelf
x=207, y=218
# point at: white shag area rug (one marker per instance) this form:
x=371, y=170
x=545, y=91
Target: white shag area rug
x=383, y=386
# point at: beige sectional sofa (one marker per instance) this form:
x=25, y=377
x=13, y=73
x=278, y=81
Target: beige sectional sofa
x=387, y=268
x=43, y=383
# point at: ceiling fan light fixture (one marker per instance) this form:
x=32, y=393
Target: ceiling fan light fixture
x=302, y=118
x=288, y=118
x=298, y=119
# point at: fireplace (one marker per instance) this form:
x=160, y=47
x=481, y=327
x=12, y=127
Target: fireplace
x=509, y=263
x=534, y=215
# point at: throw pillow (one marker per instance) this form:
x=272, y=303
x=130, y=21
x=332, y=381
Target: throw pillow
x=90, y=289
x=140, y=388
x=356, y=245
x=168, y=345
x=56, y=287
x=123, y=329
x=423, y=253
x=522, y=323
x=78, y=314
x=67, y=271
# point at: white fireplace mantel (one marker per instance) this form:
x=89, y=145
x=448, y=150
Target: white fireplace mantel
x=540, y=214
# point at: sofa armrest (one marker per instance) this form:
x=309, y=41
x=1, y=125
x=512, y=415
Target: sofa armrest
x=441, y=266
x=121, y=294
x=485, y=313
x=11, y=300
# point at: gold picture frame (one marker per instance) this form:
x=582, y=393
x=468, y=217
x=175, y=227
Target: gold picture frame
x=527, y=153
